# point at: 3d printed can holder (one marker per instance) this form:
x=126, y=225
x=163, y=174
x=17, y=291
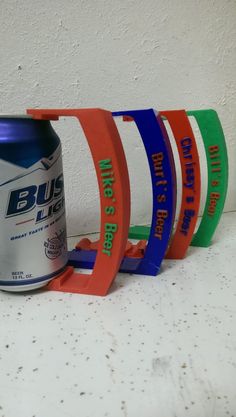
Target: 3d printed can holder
x=217, y=167
x=162, y=170
x=110, y=162
x=191, y=186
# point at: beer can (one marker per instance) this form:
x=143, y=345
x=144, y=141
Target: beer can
x=33, y=247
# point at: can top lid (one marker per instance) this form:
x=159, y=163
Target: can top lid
x=15, y=116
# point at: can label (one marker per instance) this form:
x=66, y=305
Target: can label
x=32, y=221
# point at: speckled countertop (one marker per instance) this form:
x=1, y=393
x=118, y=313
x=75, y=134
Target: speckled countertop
x=154, y=347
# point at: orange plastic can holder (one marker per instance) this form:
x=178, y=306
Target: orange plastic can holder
x=113, y=180
x=191, y=182
x=146, y=261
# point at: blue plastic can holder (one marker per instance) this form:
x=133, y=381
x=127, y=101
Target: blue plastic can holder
x=162, y=170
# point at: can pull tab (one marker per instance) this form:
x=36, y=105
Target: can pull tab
x=113, y=181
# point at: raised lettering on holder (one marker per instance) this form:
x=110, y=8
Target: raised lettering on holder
x=113, y=180
x=217, y=168
x=162, y=169
x=163, y=177
x=191, y=182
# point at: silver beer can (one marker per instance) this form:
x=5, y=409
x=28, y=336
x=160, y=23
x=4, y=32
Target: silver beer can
x=33, y=247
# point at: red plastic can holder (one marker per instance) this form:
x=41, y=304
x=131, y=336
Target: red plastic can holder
x=191, y=182
x=113, y=180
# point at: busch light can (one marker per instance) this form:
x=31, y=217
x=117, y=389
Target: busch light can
x=33, y=246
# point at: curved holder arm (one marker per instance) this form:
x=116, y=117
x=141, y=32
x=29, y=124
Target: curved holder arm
x=217, y=166
x=113, y=180
x=191, y=182
x=162, y=170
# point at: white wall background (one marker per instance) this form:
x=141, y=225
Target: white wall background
x=114, y=54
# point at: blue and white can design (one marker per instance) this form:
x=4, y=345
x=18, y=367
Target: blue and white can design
x=33, y=246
